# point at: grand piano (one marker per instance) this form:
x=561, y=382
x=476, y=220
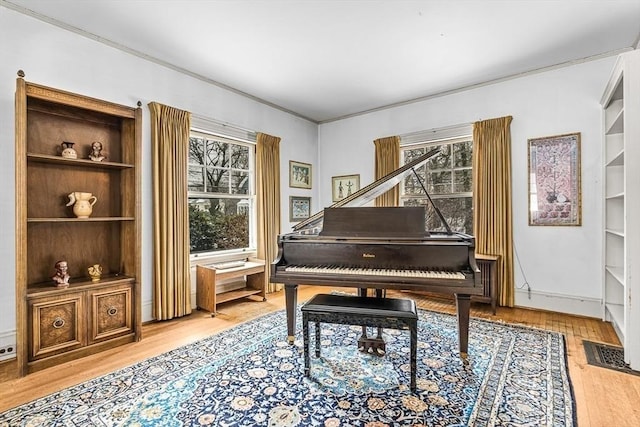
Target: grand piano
x=352, y=245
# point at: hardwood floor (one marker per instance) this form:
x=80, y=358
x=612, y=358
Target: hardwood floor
x=603, y=397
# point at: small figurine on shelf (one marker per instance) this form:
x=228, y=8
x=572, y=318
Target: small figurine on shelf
x=62, y=276
x=96, y=152
x=68, y=152
x=94, y=272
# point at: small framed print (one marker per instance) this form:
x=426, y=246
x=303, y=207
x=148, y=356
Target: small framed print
x=343, y=186
x=299, y=175
x=299, y=208
x=554, y=180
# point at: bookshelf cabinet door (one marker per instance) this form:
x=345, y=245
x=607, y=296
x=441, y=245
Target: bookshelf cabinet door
x=56, y=325
x=111, y=313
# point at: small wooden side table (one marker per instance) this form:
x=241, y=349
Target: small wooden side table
x=207, y=275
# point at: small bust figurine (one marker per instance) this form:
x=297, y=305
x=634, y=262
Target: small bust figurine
x=61, y=277
x=96, y=152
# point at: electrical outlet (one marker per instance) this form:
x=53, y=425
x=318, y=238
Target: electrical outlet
x=8, y=352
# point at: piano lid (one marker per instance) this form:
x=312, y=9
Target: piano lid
x=368, y=193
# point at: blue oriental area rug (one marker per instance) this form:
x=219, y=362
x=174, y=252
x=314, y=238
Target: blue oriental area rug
x=250, y=376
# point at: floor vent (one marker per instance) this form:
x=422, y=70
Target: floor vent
x=607, y=356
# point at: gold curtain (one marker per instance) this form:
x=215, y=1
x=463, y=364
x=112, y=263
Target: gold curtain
x=171, y=270
x=268, y=186
x=492, y=222
x=387, y=160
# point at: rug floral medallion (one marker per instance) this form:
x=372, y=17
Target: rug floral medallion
x=250, y=376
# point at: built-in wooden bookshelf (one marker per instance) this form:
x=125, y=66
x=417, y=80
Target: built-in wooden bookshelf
x=621, y=126
x=57, y=324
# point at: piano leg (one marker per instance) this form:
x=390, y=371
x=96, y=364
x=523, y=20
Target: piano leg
x=291, y=298
x=381, y=347
x=463, y=305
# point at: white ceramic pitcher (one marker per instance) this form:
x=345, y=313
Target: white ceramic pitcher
x=82, y=203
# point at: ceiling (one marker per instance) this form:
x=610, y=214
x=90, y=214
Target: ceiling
x=324, y=60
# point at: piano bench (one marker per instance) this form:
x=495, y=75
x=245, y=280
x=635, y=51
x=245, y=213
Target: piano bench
x=390, y=313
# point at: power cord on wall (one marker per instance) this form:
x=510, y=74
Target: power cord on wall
x=526, y=282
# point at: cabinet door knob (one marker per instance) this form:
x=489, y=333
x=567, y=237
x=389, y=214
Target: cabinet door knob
x=112, y=311
x=58, y=322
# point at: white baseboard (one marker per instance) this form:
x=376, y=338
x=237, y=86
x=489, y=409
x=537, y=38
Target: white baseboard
x=570, y=304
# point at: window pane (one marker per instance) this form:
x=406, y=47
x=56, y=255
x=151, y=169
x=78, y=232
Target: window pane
x=411, y=155
x=439, y=182
x=196, y=179
x=239, y=182
x=462, y=154
x=457, y=211
x=442, y=160
x=196, y=151
x=239, y=157
x=449, y=179
x=217, y=181
x=462, y=181
x=217, y=153
x=218, y=224
x=221, y=194
x=411, y=184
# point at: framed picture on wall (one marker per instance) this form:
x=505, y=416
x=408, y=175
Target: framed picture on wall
x=343, y=186
x=299, y=208
x=299, y=174
x=554, y=180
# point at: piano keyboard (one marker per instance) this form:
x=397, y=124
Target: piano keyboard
x=427, y=274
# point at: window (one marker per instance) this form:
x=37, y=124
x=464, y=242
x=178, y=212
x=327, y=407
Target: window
x=221, y=193
x=447, y=177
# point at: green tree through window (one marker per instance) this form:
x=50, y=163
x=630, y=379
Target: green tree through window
x=221, y=193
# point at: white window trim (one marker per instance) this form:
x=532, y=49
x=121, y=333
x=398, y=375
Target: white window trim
x=436, y=135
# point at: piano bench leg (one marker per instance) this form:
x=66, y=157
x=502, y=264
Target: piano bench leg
x=413, y=330
x=305, y=338
x=317, y=339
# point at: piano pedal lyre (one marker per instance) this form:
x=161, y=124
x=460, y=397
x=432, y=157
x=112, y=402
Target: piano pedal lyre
x=375, y=346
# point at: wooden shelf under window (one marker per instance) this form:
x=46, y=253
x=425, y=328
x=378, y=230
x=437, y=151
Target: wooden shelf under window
x=206, y=276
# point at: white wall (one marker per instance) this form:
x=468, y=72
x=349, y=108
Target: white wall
x=58, y=58
x=561, y=264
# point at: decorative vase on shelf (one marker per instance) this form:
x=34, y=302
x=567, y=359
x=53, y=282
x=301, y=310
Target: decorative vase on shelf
x=82, y=203
x=95, y=271
x=68, y=152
